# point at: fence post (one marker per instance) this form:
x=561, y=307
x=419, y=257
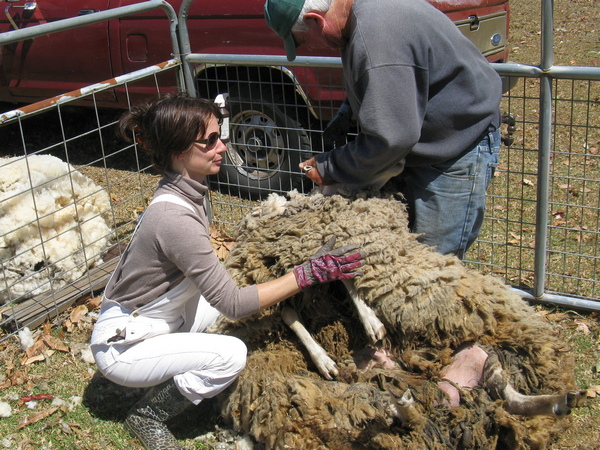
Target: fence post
x=186, y=48
x=544, y=141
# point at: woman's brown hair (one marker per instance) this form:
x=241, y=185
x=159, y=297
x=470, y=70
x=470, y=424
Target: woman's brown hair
x=167, y=125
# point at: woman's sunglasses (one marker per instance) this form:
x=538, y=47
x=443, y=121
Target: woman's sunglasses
x=210, y=141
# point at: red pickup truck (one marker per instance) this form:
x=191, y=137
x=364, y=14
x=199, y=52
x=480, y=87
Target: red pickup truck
x=302, y=100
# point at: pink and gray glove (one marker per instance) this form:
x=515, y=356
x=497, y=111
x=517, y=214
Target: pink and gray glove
x=328, y=265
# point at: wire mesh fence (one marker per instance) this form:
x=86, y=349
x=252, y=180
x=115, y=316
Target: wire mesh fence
x=71, y=192
x=268, y=141
x=507, y=244
x=505, y=248
x=271, y=129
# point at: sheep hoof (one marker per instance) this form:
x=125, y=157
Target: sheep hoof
x=495, y=381
x=463, y=434
x=572, y=399
x=497, y=384
x=407, y=399
x=575, y=399
x=406, y=409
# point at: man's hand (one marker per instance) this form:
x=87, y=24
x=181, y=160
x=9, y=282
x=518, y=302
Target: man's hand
x=329, y=265
x=309, y=167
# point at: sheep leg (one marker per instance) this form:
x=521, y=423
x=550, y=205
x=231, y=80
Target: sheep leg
x=496, y=382
x=324, y=363
x=373, y=326
x=473, y=366
x=406, y=410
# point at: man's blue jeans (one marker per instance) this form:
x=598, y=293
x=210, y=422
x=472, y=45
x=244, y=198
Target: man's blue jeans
x=446, y=202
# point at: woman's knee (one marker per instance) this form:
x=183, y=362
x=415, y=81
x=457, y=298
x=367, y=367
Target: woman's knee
x=238, y=354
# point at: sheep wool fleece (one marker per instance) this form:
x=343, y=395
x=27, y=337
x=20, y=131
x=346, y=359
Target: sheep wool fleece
x=430, y=304
x=141, y=340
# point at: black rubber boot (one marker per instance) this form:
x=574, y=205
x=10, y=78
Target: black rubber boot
x=146, y=419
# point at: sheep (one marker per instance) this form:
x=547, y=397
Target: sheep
x=53, y=225
x=432, y=306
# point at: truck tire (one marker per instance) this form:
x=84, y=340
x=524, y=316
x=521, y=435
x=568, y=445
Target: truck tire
x=266, y=145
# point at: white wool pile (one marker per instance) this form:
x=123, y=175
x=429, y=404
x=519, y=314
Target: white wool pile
x=69, y=405
x=26, y=338
x=52, y=225
x=5, y=409
x=86, y=354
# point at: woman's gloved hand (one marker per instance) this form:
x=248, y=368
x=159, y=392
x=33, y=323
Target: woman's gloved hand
x=328, y=265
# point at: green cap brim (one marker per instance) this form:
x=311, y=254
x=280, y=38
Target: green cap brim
x=290, y=47
x=281, y=16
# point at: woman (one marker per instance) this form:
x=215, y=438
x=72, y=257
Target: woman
x=169, y=285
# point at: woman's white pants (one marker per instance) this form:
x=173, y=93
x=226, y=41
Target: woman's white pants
x=201, y=364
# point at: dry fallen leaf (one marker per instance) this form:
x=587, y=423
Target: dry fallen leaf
x=17, y=378
x=47, y=328
x=527, y=182
x=36, y=349
x=221, y=243
x=40, y=357
x=55, y=343
x=36, y=417
x=77, y=313
x=582, y=327
x=75, y=317
x=65, y=427
x=43, y=348
x=593, y=391
x=94, y=302
x=557, y=317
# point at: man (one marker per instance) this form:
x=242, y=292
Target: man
x=425, y=99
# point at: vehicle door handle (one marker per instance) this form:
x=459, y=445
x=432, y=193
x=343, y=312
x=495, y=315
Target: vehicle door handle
x=29, y=6
x=474, y=25
x=84, y=12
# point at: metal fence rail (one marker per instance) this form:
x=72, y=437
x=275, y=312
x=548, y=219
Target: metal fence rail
x=541, y=233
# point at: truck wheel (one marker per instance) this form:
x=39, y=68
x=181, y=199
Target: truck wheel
x=266, y=145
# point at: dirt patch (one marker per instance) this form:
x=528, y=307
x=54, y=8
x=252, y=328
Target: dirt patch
x=576, y=32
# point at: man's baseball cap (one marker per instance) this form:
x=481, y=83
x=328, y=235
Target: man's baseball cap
x=281, y=15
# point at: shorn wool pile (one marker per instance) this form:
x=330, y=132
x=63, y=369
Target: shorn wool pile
x=53, y=225
x=431, y=305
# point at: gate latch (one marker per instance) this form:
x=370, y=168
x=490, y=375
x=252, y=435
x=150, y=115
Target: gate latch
x=509, y=120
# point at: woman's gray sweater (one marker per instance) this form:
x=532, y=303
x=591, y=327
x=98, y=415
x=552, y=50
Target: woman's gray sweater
x=171, y=243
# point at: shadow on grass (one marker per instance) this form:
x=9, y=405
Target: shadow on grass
x=108, y=401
